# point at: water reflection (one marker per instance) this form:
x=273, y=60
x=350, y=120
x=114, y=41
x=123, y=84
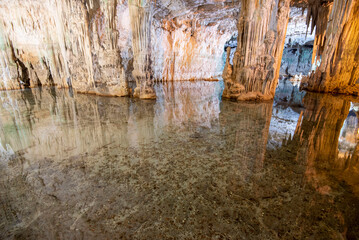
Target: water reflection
x=186, y=166
x=312, y=159
x=188, y=102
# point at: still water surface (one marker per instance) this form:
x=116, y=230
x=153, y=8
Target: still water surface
x=187, y=166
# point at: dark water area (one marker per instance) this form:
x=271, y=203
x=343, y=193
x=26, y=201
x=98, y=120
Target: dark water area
x=186, y=166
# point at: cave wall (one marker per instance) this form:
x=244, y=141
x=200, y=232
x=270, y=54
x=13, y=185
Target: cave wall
x=100, y=46
x=296, y=60
x=191, y=49
x=86, y=45
x=298, y=47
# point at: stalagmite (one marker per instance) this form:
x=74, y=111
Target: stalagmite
x=261, y=34
x=336, y=48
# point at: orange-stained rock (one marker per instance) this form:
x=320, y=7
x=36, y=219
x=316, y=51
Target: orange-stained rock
x=102, y=46
x=336, y=50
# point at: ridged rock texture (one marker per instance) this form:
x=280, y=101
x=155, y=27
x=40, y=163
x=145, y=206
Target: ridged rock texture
x=141, y=19
x=336, y=47
x=121, y=48
x=63, y=43
x=261, y=35
x=104, y=46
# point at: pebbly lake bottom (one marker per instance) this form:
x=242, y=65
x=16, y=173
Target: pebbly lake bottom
x=186, y=166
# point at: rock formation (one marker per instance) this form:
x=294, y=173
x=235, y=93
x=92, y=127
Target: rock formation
x=65, y=43
x=336, y=47
x=261, y=34
x=102, y=47
x=141, y=20
x=121, y=48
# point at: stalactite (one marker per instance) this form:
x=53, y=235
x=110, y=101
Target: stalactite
x=338, y=52
x=317, y=15
x=141, y=19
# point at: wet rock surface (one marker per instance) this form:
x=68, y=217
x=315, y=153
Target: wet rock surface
x=186, y=166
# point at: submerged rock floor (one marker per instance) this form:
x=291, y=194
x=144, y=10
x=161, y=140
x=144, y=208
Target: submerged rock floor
x=186, y=166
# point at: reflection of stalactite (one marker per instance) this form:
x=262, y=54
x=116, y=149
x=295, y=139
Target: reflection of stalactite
x=320, y=125
x=349, y=163
x=311, y=167
x=316, y=138
x=188, y=102
x=352, y=161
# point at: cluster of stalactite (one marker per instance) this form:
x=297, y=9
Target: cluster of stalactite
x=261, y=30
x=256, y=63
x=336, y=47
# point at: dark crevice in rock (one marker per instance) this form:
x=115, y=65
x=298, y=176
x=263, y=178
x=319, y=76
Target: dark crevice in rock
x=22, y=71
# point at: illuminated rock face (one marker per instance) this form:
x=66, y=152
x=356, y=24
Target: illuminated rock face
x=191, y=49
x=261, y=35
x=141, y=19
x=104, y=46
x=336, y=48
x=99, y=46
x=63, y=43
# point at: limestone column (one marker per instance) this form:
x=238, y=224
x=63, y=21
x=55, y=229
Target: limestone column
x=262, y=27
x=141, y=19
x=336, y=49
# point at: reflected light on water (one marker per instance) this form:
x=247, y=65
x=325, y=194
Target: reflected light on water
x=185, y=166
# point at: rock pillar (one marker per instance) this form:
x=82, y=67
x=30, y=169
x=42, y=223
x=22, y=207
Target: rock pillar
x=262, y=28
x=141, y=18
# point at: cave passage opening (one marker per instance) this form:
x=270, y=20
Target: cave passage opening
x=298, y=47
